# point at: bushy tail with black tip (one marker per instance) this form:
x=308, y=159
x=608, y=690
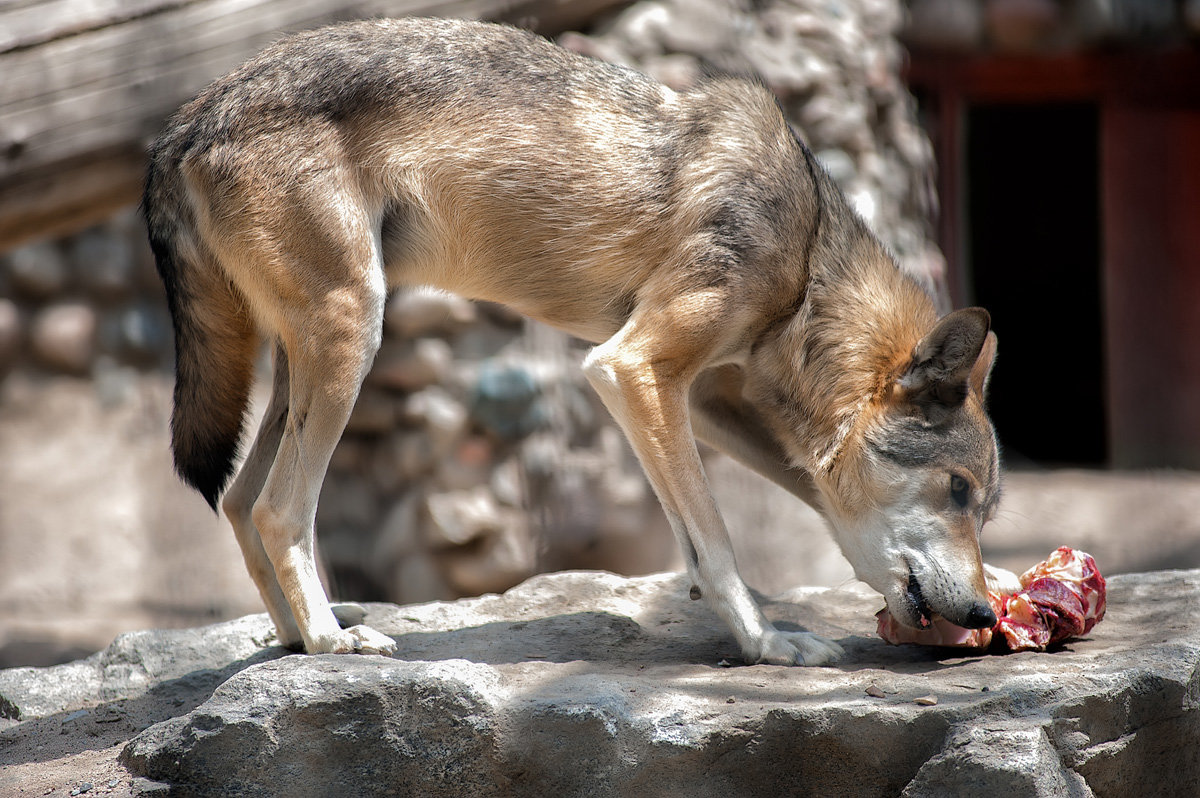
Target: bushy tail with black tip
x=215, y=339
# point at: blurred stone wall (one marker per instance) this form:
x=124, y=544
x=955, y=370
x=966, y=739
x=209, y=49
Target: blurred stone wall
x=89, y=305
x=477, y=455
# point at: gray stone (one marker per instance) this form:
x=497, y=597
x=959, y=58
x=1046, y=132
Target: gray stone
x=480, y=545
x=444, y=417
x=141, y=786
x=374, y=414
x=38, y=270
x=944, y=24
x=412, y=314
x=410, y=366
x=63, y=337
x=10, y=334
x=144, y=334
x=347, y=502
x=591, y=684
x=136, y=663
x=322, y=730
x=468, y=465
x=1004, y=757
x=406, y=456
x=506, y=400
x=104, y=259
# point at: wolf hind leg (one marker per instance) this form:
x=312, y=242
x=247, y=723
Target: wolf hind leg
x=330, y=348
x=243, y=492
x=238, y=504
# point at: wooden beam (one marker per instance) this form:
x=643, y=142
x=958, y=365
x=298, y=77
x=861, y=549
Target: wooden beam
x=87, y=85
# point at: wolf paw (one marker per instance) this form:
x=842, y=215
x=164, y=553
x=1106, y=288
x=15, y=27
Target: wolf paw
x=796, y=648
x=355, y=640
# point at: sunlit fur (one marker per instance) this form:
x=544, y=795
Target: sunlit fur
x=730, y=289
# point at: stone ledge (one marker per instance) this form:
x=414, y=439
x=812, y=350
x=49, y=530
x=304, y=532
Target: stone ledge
x=585, y=683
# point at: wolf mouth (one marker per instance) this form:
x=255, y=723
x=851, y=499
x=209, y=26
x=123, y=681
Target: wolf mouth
x=916, y=600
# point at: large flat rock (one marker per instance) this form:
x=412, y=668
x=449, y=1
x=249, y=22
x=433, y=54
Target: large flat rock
x=593, y=684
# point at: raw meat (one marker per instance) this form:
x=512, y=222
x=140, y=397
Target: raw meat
x=1061, y=597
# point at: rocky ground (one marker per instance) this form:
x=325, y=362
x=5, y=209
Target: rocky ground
x=97, y=538
x=586, y=683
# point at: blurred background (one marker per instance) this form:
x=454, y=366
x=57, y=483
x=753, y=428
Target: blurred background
x=1040, y=158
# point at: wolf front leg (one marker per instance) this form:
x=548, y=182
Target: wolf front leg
x=643, y=375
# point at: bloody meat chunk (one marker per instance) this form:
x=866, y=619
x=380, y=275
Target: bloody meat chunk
x=1061, y=597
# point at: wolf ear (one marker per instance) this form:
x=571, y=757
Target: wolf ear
x=981, y=372
x=950, y=360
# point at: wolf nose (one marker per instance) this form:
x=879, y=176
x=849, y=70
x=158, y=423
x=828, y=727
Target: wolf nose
x=980, y=617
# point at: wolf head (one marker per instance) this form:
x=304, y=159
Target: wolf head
x=919, y=477
x=909, y=473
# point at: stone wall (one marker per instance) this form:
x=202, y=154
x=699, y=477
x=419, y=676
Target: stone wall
x=89, y=305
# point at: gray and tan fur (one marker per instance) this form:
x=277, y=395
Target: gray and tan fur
x=732, y=294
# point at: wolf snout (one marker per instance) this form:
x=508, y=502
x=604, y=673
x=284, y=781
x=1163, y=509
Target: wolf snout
x=937, y=594
x=980, y=616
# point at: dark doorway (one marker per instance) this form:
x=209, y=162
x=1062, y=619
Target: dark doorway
x=1033, y=253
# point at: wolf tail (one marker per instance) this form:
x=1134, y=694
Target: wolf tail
x=215, y=338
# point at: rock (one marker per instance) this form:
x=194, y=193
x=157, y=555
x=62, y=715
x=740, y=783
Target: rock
x=479, y=545
x=406, y=456
x=462, y=516
x=327, y=739
x=506, y=400
x=418, y=313
x=586, y=683
x=347, y=501
x=38, y=270
x=64, y=337
x=944, y=25
x=10, y=334
x=403, y=564
x=352, y=454
x=374, y=414
x=144, y=334
x=999, y=758
x=406, y=367
x=493, y=562
x=173, y=663
x=105, y=262
x=468, y=465
x=443, y=417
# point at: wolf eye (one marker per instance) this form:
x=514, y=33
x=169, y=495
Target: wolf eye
x=960, y=490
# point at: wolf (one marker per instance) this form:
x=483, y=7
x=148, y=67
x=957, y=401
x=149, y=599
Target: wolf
x=732, y=294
